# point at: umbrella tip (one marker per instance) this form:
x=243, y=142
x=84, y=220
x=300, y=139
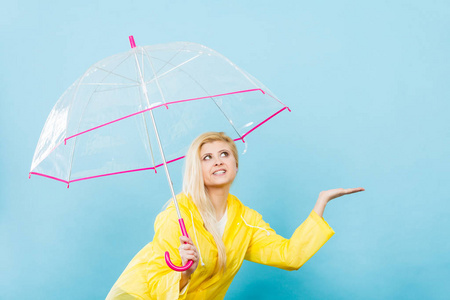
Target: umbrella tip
x=132, y=43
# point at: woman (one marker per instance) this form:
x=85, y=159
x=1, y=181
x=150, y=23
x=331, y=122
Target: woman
x=223, y=232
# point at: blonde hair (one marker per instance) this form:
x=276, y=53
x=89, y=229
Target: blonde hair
x=194, y=187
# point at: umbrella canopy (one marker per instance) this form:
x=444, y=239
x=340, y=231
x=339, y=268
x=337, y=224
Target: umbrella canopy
x=100, y=126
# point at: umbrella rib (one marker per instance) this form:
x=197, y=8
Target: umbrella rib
x=174, y=68
x=108, y=83
x=73, y=148
x=117, y=88
x=156, y=76
x=142, y=62
x=212, y=98
x=226, y=117
x=178, y=52
x=84, y=109
x=111, y=72
x=148, y=139
x=143, y=116
x=248, y=76
x=75, y=142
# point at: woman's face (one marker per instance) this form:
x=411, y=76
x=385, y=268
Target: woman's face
x=218, y=164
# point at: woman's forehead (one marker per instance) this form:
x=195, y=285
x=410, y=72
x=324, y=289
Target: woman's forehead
x=214, y=147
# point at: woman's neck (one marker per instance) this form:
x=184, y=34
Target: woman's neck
x=218, y=199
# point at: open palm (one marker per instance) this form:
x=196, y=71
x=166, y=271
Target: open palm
x=335, y=193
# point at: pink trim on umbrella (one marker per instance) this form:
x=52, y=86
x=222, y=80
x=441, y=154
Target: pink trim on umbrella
x=106, y=174
x=265, y=121
x=128, y=171
x=48, y=176
x=165, y=104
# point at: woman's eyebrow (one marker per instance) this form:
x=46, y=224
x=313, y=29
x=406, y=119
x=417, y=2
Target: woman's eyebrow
x=217, y=152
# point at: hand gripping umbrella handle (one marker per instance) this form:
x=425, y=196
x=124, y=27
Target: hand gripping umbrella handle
x=167, y=255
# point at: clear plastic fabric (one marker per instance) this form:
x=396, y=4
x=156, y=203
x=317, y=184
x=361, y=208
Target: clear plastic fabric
x=101, y=125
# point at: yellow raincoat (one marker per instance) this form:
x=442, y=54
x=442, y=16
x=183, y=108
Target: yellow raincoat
x=246, y=236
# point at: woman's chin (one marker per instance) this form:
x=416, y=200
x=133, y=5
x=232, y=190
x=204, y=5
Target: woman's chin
x=219, y=184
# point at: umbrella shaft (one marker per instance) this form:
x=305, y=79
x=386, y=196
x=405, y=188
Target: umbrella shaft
x=165, y=165
x=144, y=90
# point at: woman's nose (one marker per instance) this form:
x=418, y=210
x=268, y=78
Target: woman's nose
x=218, y=162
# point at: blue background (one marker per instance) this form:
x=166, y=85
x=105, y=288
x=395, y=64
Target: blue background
x=368, y=85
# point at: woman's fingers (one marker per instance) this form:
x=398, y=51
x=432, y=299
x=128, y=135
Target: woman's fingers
x=335, y=193
x=191, y=257
x=188, y=255
x=347, y=191
x=188, y=252
x=186, y=240
x=355, y=190
x=187, y=249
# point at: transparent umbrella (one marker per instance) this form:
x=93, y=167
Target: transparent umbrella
x=140, y=110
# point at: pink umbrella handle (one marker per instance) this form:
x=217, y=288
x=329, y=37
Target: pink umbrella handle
x=167, y=255
x=176, y=268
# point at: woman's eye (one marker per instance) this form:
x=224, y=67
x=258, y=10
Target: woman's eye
x=207, y=157
x=224, y=154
